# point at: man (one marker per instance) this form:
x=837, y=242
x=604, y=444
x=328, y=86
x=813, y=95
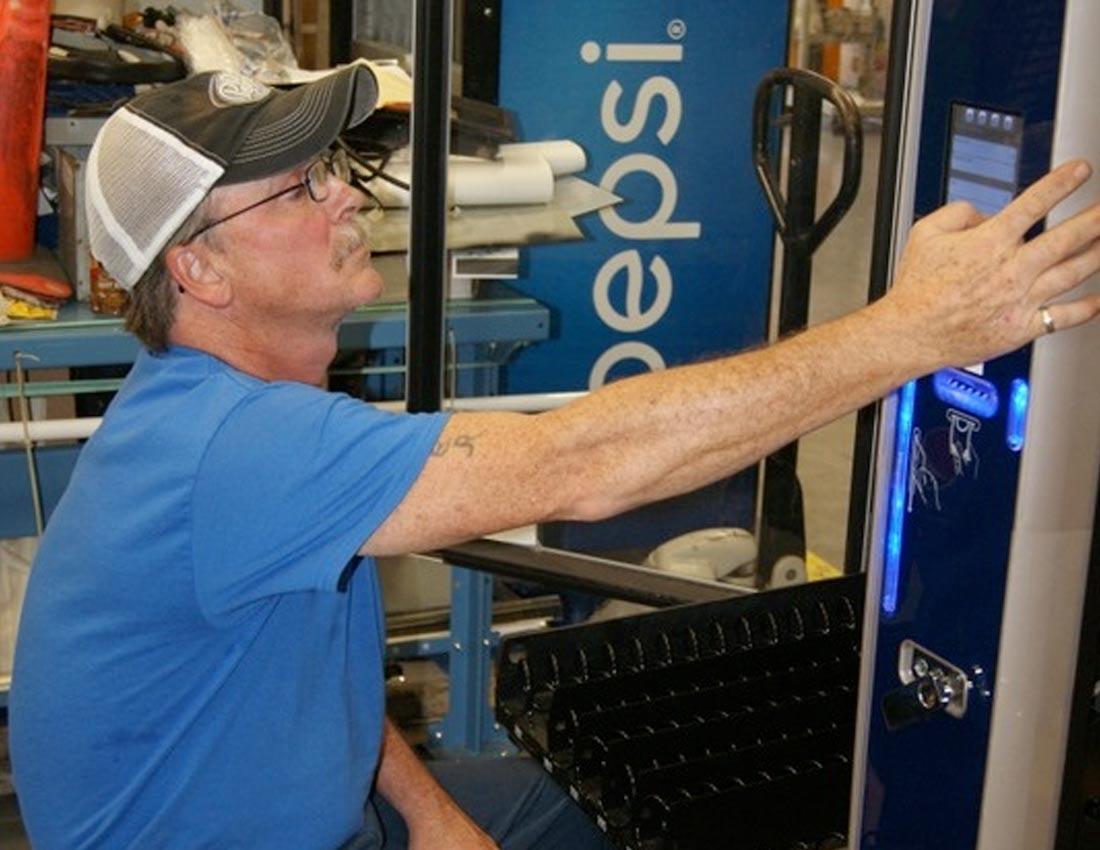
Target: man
x=200, y=651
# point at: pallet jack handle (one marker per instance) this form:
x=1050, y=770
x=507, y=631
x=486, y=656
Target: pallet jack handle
x=782, y=534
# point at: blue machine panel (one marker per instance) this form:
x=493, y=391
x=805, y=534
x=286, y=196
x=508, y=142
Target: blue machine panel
x=991, y=77
x=659, y=94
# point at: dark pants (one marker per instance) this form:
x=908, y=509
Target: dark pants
x=512, y=799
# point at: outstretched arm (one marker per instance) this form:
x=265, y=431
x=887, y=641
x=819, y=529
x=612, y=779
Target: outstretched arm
x=967, y=289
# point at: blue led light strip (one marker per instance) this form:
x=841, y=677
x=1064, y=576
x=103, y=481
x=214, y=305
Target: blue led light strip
x=899, y=494
x=1017, y=414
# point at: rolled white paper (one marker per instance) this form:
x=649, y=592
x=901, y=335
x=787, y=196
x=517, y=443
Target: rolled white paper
x=564, y=156
x=478, y=183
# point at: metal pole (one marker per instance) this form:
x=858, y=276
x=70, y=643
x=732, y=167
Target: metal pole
x=433, y=26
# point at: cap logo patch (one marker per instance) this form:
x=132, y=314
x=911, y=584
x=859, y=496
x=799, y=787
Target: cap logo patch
x=228, y=89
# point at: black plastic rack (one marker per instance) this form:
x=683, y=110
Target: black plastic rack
x=710, y=725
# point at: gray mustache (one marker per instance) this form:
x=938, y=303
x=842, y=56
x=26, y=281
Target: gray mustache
x=357, y=236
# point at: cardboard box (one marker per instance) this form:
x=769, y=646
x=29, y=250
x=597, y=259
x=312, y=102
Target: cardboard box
x=72, y=243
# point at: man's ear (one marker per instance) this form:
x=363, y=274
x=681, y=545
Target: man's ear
x=191, y=267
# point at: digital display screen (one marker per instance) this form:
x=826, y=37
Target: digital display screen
x=984, y=160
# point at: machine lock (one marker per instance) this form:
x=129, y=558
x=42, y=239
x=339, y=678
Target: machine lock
x=930, y=685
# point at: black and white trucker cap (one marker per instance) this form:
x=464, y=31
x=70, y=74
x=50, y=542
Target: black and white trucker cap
x=157, y=157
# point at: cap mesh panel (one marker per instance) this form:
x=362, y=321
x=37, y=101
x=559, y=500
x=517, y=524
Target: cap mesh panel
x=128, y=225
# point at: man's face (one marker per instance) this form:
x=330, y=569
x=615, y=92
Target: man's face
x=293, y=258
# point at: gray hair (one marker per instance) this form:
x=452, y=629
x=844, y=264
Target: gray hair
x=152, y=307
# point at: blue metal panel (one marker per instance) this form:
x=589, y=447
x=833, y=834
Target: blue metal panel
x=955, y=479
x=468, y=726
x=659, y=94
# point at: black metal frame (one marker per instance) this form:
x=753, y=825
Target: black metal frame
x=432, y=34
x=481, y=50
x=432, y=50
x=863, y=456
x=572, y=571
x=340, y=29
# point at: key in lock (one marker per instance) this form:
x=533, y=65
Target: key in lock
x=930, y=685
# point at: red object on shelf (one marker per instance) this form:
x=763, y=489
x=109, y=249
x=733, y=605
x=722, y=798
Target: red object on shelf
x=38, y=285
x=24, y=42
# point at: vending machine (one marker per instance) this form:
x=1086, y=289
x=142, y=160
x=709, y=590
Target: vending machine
x=978, y=720
x=948, y=696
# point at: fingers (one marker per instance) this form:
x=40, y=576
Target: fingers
x=1071, y=245
x=1069, y=271
x=1066, y=315
x=1040, y=198
x=953, y=217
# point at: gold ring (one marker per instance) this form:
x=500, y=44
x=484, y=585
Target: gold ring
x=1048, y=320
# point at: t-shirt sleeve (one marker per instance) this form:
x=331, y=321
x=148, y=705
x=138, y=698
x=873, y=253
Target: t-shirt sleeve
x=292, y=484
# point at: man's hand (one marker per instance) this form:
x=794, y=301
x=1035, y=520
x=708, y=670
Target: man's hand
x=433, y=819
x=976, y=287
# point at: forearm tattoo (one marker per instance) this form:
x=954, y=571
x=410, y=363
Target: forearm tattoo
x=459, y=443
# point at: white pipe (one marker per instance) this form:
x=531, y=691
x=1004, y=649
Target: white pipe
x=48, y=429
x=531, y=403
x=12, y=433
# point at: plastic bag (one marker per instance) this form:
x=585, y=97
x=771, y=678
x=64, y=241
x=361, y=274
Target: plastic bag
x=249, y=43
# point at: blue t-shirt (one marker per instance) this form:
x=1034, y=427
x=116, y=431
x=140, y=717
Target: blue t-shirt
x=199, y=661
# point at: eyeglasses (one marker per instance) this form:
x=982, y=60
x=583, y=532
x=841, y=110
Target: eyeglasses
x=316, y=184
